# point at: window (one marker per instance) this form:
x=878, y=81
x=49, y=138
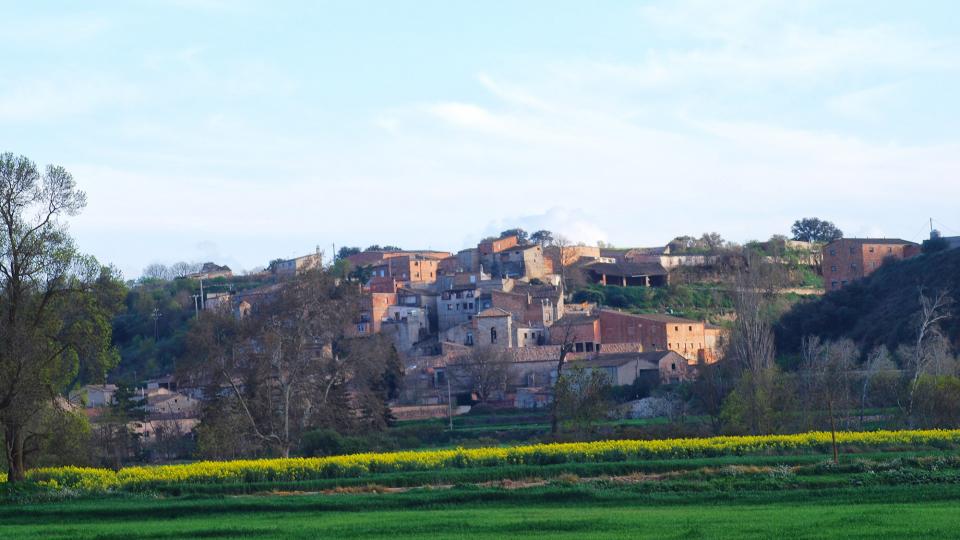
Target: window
x=851, y=250
x=673, y=366
x=578, y=347
x=676, y=328
x=871, y=249
x=449, y=307
x=589, y=346
x=853, y=266
x=469, y=340
x=493, y=335
x=833, y=253
x=833, y=284
x=690, y=328
x=889, y=250
x=470, y=305
x=833, y=268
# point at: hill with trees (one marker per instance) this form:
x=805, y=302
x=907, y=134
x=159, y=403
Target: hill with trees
x=881, y=309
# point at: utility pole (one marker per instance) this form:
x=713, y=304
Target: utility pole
x=449, y=402
x=156, y=317
x=196, y=304
x=202, y=301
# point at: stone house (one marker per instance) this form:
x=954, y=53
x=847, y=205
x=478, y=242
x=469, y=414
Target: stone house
x=849, y=259
x=658, y=332
x=298, y=265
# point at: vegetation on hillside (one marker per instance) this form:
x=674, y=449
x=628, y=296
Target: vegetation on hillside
x=878, y=310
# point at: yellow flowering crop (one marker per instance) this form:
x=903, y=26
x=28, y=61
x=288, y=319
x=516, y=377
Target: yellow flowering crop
x=298, y=469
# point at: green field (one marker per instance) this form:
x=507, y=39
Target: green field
x=576, y=511
x=911, y=493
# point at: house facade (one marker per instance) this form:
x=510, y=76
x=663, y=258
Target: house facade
x=849, y=259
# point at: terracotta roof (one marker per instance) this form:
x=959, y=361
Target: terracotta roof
x=659, y=317
x=616, y=360
x=876, y=241
x=493, y=312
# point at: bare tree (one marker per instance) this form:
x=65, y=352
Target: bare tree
x=485, y=370
x=751, y=341
x=156, y=271
x=933, y=310
x=878, y=361
x=828, y=366
x=183, y=269
x=290, y=366
x=566, y=331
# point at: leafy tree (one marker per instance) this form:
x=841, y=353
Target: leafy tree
x=55, y=303
x=347, y=251
x=542, y=237
x=375, y=247
x=815, y=230
x=391, y=248
x=522, y=235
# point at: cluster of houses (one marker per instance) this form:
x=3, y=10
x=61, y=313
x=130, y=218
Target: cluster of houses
x=508, y=295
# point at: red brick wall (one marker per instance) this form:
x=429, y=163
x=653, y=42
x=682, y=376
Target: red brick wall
x=496, y=246
x=849, y=260
x=586, y=331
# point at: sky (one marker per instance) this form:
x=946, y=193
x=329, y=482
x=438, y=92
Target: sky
x=239, y=132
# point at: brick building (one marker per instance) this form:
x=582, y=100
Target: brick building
x=850, y=259
x=691, y=339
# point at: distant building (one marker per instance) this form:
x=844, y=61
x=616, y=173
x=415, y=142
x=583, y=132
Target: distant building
x=298, y=265
x=694, y=340
x=627, y=274
x=849, y=259
x=211, y=270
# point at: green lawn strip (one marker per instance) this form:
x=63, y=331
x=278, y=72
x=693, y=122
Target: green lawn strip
x=568, y=512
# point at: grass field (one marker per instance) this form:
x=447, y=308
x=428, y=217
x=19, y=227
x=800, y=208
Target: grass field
x=887, y=484
x=557, y=511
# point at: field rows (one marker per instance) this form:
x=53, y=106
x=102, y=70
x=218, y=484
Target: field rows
x=359, y=465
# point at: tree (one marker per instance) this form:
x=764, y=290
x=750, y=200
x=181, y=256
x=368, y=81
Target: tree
x=828, y=367
x=290, y=367
x=563, y=331
x=116, y=442
x=878, y=362
x=375, y=247
x=933, y=310
x=712, y=241
x=183, y=269
x=156, y=271
x=582, y=397
x=55, y=303
x=815, y=230
x=751, y=341
x=522, y=235
x=485, y=370
x=347, y=251
x=542, y=237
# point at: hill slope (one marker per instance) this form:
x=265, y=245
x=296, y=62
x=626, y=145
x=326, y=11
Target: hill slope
x=880, y=309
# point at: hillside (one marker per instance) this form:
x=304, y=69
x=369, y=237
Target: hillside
x=878, y=310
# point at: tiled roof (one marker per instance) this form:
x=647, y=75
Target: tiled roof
x=493, y=312
x=877, y=241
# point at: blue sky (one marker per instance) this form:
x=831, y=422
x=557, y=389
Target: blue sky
x=241, y=131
